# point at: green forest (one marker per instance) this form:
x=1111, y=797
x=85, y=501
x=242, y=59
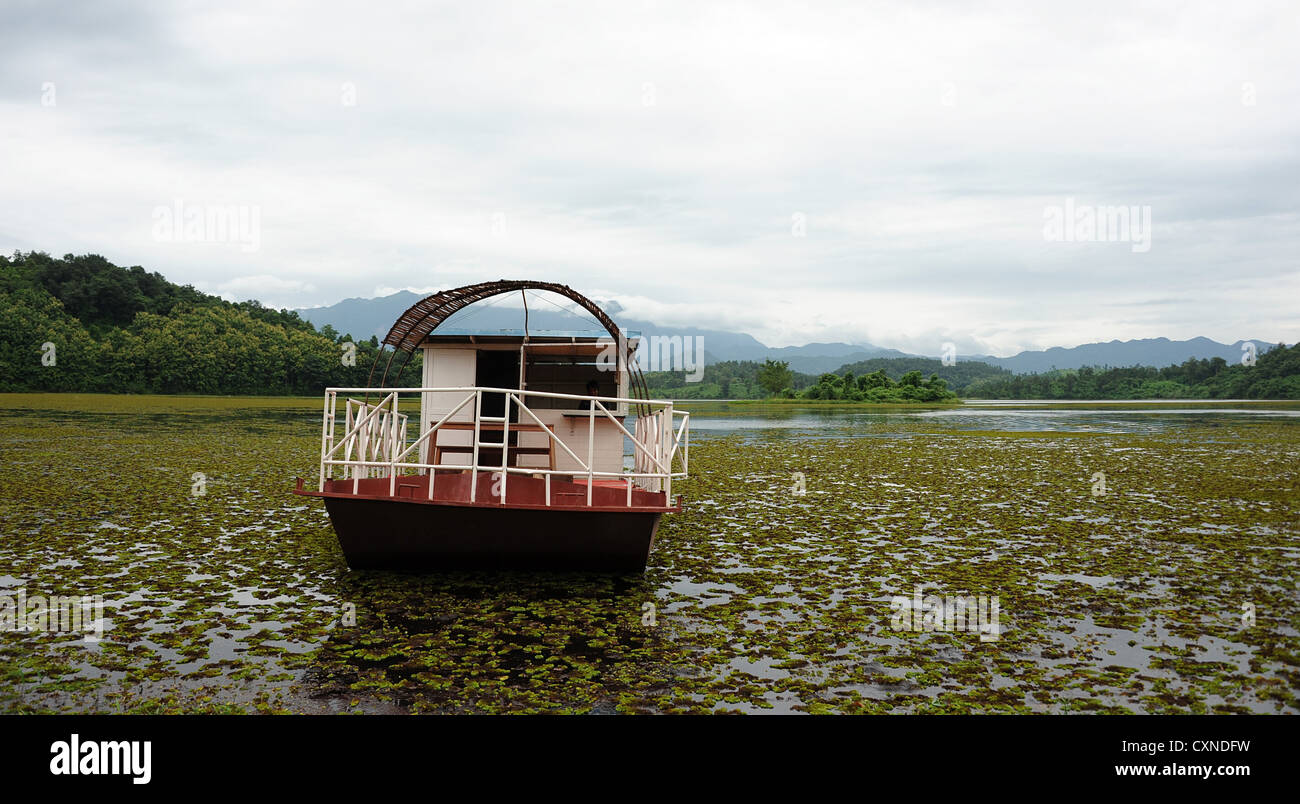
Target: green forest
x=959, y=376
x=1275, y=375
x=879, y=387
x=894, y=381
x=726, y=379
x=82, y=324
x=741, y=379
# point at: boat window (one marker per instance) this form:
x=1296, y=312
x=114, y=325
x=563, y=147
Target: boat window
x=565, y=374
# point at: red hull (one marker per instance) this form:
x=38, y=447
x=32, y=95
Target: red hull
x=408, y=531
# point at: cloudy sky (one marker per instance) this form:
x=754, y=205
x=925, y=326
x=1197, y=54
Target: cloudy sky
x=902, y=174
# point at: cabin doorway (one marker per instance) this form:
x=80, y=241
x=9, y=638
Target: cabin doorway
x=498, y=368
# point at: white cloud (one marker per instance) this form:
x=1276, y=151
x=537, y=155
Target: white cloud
x=920, y=143
x=263, y=287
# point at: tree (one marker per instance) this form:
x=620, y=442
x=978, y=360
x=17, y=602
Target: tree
x=42, y=348
x=774, y=376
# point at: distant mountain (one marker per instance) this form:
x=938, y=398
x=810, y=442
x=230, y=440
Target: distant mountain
x=362, y=318
x=365, y=317
x=1157, y=352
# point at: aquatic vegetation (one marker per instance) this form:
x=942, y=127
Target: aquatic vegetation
x=1166, y=583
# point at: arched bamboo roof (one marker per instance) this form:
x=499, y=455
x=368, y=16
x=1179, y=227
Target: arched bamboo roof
x=423, y=317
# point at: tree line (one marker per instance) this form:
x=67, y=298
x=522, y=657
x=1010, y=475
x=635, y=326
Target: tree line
x=877, y=386
x=1274, y=374
x=959, y=375
x=750, y=379
x=894, y=381
x=727, y=379
x=82, y=324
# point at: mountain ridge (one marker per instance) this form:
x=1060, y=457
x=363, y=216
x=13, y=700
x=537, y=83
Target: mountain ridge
x=362, y=317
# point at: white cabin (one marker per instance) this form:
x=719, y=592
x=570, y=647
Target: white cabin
x=548, y=362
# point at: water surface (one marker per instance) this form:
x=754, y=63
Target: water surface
x=771, y=592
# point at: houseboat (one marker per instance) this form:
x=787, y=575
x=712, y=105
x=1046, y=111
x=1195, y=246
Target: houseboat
x=528, y=449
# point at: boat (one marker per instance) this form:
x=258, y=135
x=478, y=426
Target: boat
x=529, y=450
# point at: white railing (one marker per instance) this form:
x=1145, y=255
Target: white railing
x=374, y=440
x=373, y=433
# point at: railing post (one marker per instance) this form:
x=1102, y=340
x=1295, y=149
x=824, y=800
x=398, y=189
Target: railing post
x=473, y=467
x=363, y=443
x=505, y=448
x=668, y=434
x=349, y=438
x=392, y=451
x=591, y=447
x=356, y=442
x=326, y=432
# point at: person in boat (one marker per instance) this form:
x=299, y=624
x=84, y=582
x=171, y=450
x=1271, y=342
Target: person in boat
x=593, y=389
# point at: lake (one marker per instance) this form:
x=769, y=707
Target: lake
x=1134, y=557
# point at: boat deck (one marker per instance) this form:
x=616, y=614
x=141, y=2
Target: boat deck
x=520, y=491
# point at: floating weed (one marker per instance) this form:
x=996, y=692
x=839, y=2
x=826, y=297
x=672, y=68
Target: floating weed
x=238, y=600
x=1107, y=597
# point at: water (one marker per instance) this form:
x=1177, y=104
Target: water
x=1127, y=544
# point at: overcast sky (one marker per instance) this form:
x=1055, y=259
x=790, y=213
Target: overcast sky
x=885, y=173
